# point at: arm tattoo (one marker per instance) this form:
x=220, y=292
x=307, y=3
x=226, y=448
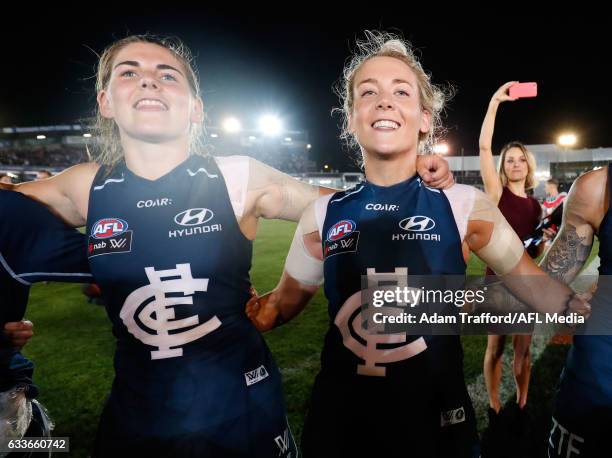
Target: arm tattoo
x=567, y=255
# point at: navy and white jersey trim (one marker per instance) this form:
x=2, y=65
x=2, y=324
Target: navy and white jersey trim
x=64, y=275
x=110, y=180
x=202, y=170
x=11, y=273
x=37, y=246
x=43, y=276
x=348, y=193
x=236, y=171
x=461, y=198
x=427, y=187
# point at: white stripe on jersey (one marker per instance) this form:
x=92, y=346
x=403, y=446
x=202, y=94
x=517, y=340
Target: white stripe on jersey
x=235, y=171
x=19, y=277
x=11, y=273
x=201, y=169
x=349, y=194
x=56, y=274
x=110, y=180
x=427, y=187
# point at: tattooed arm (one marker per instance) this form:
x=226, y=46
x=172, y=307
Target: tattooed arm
x=583, y=211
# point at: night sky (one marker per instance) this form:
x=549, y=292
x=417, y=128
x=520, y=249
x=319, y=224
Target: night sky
x=258, y=61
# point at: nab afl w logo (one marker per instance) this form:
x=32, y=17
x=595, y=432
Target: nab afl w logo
x=158, y=313
x=109, y=236
x=340, y=230
x=108, y=227
x=342, y=237
x=378, y=349
x=417, y=224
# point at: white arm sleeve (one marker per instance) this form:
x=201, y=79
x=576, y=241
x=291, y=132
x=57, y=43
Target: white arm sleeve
x=504, y=250
x=300, y=264
x=461, y=198
x=235, y=171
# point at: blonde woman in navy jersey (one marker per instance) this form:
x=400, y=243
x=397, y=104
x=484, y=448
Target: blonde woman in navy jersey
x=169, y=241
x=393, y=394
x=508, y=186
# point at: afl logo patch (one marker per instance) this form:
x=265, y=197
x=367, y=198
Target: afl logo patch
x=108, y=227
x=340, y=230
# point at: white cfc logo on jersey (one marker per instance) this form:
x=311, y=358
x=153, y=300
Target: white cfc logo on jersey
x=158, y=314
x=373, y=353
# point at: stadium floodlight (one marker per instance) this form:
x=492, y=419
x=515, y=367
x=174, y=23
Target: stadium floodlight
x=232, y=125
x=326, y=166
x=271, y=126
x=214, y=135
x=41, y=137
x=567, y=140
x=288, y=139
x=87, y=135
x=308, y=146
x=441, y=148
x=252, y=138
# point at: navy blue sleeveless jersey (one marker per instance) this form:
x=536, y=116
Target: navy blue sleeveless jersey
x=193, y=377
x=34, y=246
x=583, y=407
x=388, y=394
x=404, y=230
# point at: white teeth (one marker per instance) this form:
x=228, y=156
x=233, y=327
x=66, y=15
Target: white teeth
x=386, y=124
x=150, y=103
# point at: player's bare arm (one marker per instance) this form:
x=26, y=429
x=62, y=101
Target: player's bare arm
x=66, y=194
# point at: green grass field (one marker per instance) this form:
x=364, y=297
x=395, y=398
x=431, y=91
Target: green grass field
x=73, y=345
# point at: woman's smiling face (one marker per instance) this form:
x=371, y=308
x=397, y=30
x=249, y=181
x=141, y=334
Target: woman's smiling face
x=387, y=116
x=148, y=94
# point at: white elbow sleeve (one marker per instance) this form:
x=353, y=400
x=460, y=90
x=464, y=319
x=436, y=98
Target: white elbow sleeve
x=504, y=250
x=300, y=264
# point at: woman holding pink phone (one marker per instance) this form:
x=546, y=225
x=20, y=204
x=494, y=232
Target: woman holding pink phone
x=508, y=185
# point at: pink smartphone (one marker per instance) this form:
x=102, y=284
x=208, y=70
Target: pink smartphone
x=522, y=90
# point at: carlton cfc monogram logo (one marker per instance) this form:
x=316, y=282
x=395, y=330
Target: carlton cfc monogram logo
x=158, y=314
x=377, y=349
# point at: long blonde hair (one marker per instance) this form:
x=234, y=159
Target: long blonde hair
x=530, y=181
x=106, y=149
